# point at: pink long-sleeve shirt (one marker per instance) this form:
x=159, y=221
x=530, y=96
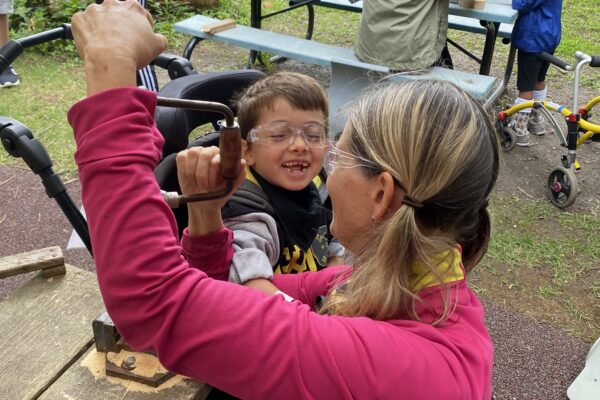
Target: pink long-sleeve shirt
x=248, y=344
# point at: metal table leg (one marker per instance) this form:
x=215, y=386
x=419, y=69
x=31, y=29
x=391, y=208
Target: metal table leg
x=190, y=46
x=255, y=22
x=490, y=43
x=507, y=73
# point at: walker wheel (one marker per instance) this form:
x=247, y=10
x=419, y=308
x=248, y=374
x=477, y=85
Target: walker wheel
x=562, y=187
x=507, y=135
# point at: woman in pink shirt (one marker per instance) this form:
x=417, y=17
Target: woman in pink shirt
x=409, y=182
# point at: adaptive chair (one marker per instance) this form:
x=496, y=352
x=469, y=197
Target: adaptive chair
x=176, y=124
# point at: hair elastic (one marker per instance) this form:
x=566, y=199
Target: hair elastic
x=412, y=203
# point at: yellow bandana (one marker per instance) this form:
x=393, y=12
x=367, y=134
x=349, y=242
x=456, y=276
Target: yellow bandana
x=447, y=264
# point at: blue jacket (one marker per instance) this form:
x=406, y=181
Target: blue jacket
x=537, y=28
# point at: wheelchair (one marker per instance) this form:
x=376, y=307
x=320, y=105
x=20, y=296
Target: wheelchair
x=176, y=124
x=188, y=101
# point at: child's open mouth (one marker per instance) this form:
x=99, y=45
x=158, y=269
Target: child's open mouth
x=295, y=166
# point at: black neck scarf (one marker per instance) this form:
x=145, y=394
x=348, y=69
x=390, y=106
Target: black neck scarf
x=299, y=212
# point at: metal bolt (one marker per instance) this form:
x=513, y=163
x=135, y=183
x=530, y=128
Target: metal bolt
x=128, y=363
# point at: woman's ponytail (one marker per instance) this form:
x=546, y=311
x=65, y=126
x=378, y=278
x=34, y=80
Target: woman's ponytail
x=475, y=243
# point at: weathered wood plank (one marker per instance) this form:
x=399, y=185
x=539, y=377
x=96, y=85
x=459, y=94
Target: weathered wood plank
x=44, y=325
x=50, y=259
x=86, y=379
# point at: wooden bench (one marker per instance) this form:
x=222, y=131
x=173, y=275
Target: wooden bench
x=49, y=260
x=348, y=74
x=47, y=340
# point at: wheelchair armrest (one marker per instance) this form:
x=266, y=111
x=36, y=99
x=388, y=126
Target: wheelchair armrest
x=175, y=66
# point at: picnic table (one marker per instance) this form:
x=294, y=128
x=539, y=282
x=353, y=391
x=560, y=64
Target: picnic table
x=48, y=349
x=490, y=17
x=349, y=75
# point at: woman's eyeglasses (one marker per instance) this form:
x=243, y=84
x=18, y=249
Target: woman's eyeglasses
x=336, y=158
x=283, y=134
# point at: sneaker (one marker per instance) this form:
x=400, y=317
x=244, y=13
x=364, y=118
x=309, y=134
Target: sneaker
x=519, y=125
x=9, y=78
x=536, y=123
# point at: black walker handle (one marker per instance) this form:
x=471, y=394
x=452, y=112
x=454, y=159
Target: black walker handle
x=13, y=48
x=19, y=142
x=555, y=61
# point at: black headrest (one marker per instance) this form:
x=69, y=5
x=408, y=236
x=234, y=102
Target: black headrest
x=176, y=124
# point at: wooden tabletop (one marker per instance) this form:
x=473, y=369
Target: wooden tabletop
x=47, y=349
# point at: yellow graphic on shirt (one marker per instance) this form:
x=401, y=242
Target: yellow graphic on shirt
x=294, y=260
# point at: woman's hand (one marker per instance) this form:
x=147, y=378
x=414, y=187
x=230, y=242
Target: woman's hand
x=115, y=39
x=199, y=171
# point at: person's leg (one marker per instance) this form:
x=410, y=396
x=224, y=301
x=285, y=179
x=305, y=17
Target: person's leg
x=8, y=77
x=527, y=74
x=445, y=59
x=537, y=124
x=3, y=29
x=539, y=89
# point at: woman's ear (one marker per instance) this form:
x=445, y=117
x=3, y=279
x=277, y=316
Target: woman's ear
x=387, y=196
x=247, y=153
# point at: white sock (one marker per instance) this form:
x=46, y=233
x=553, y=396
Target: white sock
x=540, y=95
x=520, y=100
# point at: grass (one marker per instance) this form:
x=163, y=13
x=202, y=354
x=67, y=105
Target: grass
x=541, y=261
x=548, y=261
x=41, y=102
x=537, y=237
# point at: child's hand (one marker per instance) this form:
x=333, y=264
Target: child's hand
x=199, y=171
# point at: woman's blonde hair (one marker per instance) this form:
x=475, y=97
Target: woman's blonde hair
x=439, y=145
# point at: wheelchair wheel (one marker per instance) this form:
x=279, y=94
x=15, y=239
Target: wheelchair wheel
x=562, y=187
x=507, y=135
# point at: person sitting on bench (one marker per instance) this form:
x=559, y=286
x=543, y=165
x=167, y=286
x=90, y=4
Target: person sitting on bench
x=404, y=35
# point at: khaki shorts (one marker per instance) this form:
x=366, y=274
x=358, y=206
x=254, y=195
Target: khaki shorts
x=6, y=6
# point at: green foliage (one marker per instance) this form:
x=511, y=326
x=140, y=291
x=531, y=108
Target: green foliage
x=165, y=13
x=524, y=236
x=33, y=16
x=238, y=10
x=49, y=86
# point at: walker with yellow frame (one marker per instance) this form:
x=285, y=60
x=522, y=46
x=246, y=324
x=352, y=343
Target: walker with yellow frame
x=562, y=188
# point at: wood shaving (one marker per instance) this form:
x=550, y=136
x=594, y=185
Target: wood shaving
x=146, y=365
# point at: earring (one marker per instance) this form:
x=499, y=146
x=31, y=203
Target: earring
x=372, y=218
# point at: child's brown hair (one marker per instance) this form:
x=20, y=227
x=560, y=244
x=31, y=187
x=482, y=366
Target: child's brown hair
x=302, y=91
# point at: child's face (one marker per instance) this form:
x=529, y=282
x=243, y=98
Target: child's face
x=292, y=166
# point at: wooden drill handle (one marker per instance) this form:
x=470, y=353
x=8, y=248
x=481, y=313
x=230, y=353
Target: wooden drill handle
x=230, y=147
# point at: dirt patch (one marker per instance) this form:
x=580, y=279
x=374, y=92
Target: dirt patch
x=526, y=290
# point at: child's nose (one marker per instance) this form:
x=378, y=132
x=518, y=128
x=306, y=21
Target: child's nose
x=298, y=141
